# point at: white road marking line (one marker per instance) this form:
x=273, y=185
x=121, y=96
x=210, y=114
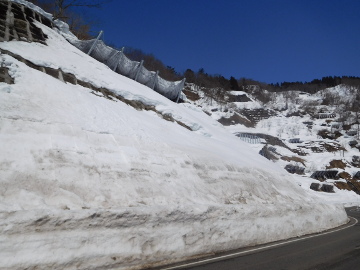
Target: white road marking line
x=220, y=258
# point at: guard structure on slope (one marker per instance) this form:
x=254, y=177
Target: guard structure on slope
x=323, y=175
x=118, y=62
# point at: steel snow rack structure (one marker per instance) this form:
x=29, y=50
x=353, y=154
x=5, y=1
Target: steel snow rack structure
x=118, y=62
x=323, y=175
x=249, y=138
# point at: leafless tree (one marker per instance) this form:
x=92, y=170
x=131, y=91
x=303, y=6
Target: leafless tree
x=66, y=11
x=62, y=6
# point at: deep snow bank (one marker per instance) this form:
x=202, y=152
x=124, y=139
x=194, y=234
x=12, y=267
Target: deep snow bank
x=90, y=182
x=137, y=237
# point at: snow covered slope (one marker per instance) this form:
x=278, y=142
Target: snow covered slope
x=88, y=182
x=326, y=125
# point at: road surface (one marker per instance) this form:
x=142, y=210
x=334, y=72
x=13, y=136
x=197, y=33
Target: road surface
x=331, y=251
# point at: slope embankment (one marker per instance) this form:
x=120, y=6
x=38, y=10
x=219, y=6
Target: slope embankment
x=88, y=181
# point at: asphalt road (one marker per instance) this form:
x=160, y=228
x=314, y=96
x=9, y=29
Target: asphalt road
x=332, y=251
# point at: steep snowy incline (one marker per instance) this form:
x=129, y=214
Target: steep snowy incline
x=89, y=182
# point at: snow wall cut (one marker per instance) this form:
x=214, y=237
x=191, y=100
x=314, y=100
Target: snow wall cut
x=88, y=182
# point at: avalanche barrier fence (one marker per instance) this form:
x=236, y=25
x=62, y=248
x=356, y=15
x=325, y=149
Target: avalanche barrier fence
x=118, y=62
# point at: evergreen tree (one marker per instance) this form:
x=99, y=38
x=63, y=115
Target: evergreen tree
x=234, y=84
x=190, y=76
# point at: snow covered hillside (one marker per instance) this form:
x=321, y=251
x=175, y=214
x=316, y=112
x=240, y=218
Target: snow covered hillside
x=90, y=180
x=311, y=135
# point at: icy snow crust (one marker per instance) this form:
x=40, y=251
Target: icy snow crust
x=87, y=182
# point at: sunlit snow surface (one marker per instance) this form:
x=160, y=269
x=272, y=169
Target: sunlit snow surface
x=88, y=182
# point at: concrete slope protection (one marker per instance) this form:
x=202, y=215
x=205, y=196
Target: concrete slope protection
x=88, y=182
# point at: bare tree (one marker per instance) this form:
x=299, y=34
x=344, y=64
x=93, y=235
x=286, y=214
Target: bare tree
x=67, y=11
x=62, y=6
x=79, y=26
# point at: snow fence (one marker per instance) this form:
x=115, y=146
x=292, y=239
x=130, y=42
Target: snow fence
x=118, y=62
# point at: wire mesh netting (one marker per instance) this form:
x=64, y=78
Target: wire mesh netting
x=83, y=45
x=118, y=62
x=127, y=67
x=147, y=77
x=113, y=60
x=168, y=89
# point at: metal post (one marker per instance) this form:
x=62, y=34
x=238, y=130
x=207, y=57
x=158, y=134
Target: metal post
x=119, y=52
x=117, y=62
x=138, y=71
x=122, y=53
x=93, y=46
x=155, y=79
x=182, y=87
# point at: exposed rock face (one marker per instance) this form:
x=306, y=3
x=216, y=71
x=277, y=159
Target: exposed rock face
x=17, y=23
x=4, y=76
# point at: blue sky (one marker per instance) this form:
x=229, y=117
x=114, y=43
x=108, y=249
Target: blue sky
x=270, y=41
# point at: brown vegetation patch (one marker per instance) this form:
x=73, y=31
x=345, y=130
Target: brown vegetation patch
x=68, y=77
x=299, y=151
x=320, y=147
x=297, y=113
x=342, y=185
x=350, y=184
x=191, y=95
x=4, y=76
x=272, y=140
x=333, y=147
x=316, y=149
x=357, y=185
x=294, y=158
x=52, y=72
x=326, y=134
x=235, y=119
x=337, y=134
x=354, y=185
x=345, y=175
x=346, y=127
x=84, y=84
x=265, y=152
x=337, y=164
